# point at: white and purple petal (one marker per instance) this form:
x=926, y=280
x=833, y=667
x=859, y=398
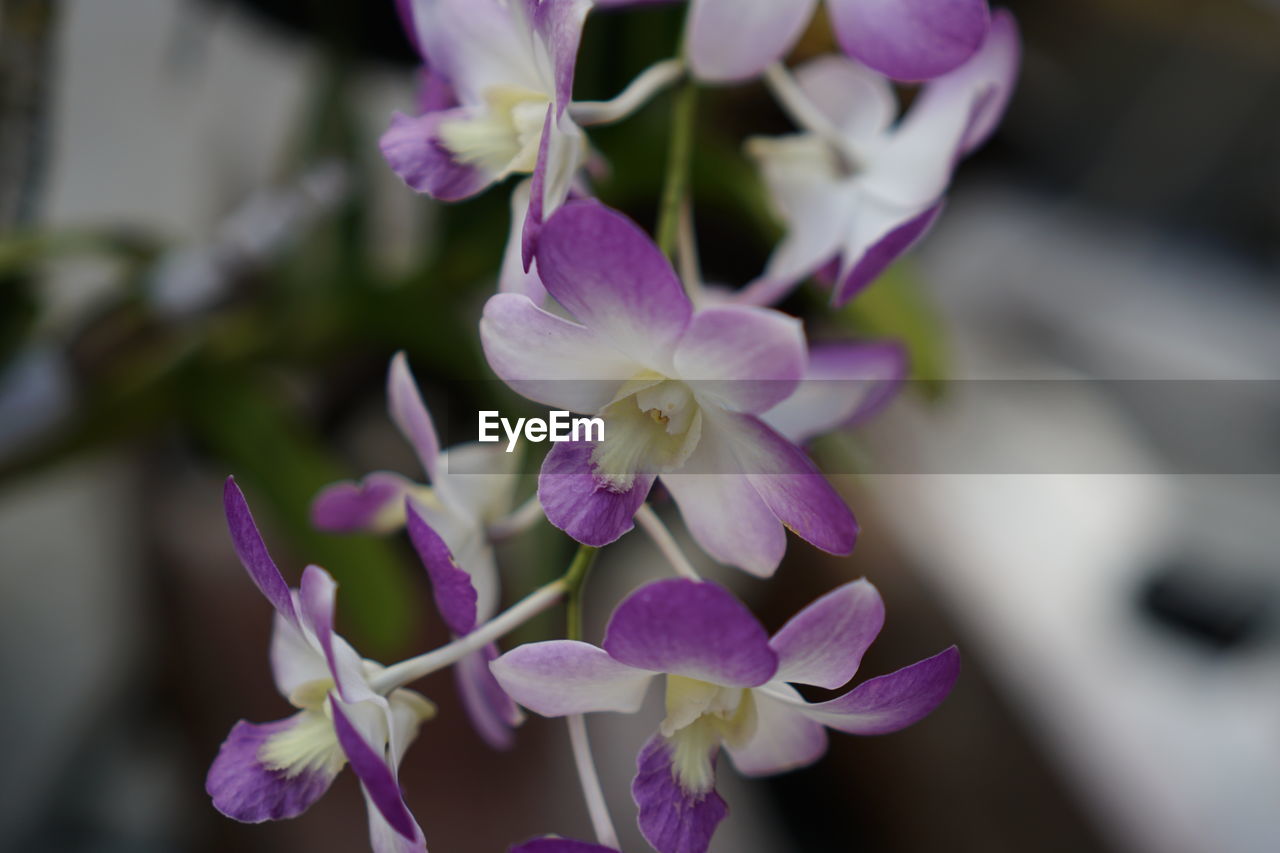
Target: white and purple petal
x=316, y=599
x=243, y=787
x=561, y=677
x=823, y=644
x=730, y=40
x=846, y=383
x=414, y=150
x=611, y=277
x=252, y=551
x=492, y=712
x=409, y=413
x=742, y=358
x=672, y=819
x=891, y=702
x=694, y=629
x=579, y=502
x=454, y=592
x=374, y=504
x=880, y=238
x=377, y=777
x=910, y=39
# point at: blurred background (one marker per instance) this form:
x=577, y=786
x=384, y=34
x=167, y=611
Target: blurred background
x=205, y=267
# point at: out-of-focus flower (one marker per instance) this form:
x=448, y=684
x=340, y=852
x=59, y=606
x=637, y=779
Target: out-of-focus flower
x=273, y=771
x=553, y=844
x=727, y=683
x=732, y=40
x=859, y=186
x=498, y=83
x=680, y=393
x=470, y=490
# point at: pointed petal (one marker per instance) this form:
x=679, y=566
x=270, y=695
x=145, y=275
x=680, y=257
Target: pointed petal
x=742, y=358
x=376, y=776
x=317, y=597
x=845, y=384
x=561, y=677
x=492, y=711
x=891, y=702
x=413, y=149
x=698, y=630
x=455, y=595
x=549, y=359
x=252, y=551
x=824, y=643
x=575, y=501
x=374, y=504
x=880, y=239
x=724, y=512
x=611, y=277
x=910, y=39
x=789, y=483
x=409, y=413
x=559, y=24
x=989, y=77
x=784, y=738
x=671, y=819
x=244, y=788
x=732, y=40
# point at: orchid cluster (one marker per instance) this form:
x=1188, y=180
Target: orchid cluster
x=708, y=395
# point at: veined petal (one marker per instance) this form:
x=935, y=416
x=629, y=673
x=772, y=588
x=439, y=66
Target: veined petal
x=482, y=44
x=724, y=512
x=549, y=359
x=374, y=504
x=732, y=40
x=910, y=39
x=611, y=277
x=698, y=630
x=454, y=593
x=559, y=24
x=555, y=844
x=824, y=643
x=409, y=413
x=246, y=787
x=784, y=738
x=561, y=677
x=578, y=502
x=252, y=551
x=413, y=149
x=493, y=713
x=672, y=819
x=891, y=702
x=790, y=484
x=316, y=598
x=845, y=384
x=742, y=358
x=376, y=776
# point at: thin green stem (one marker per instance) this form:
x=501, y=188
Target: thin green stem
x=575, y=577
x=675, y=188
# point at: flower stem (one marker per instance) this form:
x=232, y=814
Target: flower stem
x=666, y=543
x=591, y=790
x=639, y=91
x=675, y=188
x=575, y=577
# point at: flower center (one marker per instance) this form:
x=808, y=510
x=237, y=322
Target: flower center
x=700, y=716
x=309, y=745
x=652, y=426
x=504, y=137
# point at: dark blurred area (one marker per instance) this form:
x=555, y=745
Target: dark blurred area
x=205, y=267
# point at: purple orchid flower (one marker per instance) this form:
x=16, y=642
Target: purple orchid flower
x=500, y=80
x=727, y=683
x=449, y=523
x=859, y=188
x=730, y=40
x=681, y=394
x=274, y=771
